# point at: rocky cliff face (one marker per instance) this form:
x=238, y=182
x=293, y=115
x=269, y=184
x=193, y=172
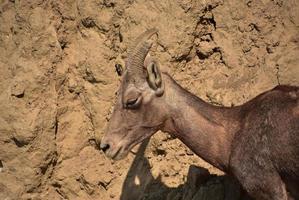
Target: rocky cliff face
x=57, y=84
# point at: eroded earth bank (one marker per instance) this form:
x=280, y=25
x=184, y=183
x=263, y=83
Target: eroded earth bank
x=58, y=84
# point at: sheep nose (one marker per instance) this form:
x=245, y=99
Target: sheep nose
x=104, y=146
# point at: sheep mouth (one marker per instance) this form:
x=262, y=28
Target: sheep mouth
x=117, y=154
x=125, y=150
x=122, y=151
x=125, y=146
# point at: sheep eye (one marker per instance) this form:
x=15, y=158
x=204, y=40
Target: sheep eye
x=133, y=103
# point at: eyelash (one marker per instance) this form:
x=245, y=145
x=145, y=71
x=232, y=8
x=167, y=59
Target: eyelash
x=132, y=102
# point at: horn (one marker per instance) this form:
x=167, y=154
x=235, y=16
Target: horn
x=137, y=54
x=145, y=35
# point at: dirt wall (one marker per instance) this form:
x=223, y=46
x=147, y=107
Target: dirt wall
x=58, y=83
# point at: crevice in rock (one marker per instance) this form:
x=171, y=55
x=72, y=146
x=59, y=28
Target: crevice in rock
x=103, y=185
x=88, y=22
x=84, y=185
x=203, y=56
x=61, y=193
x=277, y=74
x=54, y=163
x=108, y=4
x=56, y=185
x=120, y=36
x=159, y=151
x=1, y=166
x=18, y=142
x=49, y=167
x=63, y=43
x=56, y=127
x=254, y=27
x=185, y=57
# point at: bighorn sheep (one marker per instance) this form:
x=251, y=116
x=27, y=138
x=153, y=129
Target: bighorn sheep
x=257, y=142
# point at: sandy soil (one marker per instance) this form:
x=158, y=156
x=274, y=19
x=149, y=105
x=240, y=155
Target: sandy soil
x=58, y=83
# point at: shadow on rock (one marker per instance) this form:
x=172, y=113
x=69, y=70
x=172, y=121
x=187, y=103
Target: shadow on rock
x=200, y=185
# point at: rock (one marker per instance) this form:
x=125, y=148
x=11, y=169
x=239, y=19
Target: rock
x=18, y=89
x=205, y=49
x=88, y=22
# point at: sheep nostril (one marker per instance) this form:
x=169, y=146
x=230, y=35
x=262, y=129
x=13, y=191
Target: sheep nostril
x=104, y=147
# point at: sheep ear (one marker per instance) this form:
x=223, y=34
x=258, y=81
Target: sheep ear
x=154, y=77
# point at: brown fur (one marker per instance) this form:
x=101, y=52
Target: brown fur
x=256, y=142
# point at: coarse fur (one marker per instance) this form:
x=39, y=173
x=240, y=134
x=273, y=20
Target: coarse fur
x=256, y=142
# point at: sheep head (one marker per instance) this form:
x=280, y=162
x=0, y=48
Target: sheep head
x=138, y=112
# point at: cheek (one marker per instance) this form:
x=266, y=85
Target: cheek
x=132, y=118
x=153, y=117
x=148, y=97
